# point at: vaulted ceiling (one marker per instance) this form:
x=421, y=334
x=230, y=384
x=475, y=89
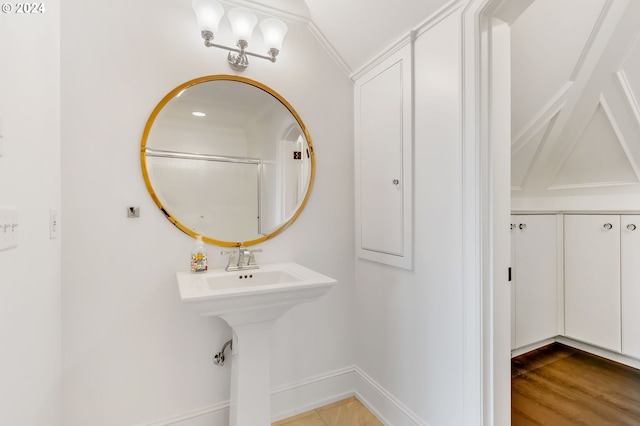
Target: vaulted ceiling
x=575, y=97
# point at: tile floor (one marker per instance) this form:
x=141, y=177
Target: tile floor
x=348, y=412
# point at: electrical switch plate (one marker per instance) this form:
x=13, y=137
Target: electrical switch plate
x=8, y=228
x=53, y=224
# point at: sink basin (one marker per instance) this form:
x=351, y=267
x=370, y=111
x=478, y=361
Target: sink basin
x=250, y=302
x=251, y=295
x=250, y=279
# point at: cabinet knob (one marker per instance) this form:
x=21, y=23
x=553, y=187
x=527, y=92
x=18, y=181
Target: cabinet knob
x=396, y=182
x=607, y=226
x=513, y=225
x=523, y=226
x=631, y=227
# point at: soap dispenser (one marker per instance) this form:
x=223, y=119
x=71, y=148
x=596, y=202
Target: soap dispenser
x=199, y=256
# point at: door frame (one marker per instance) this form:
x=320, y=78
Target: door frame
x=486, y=209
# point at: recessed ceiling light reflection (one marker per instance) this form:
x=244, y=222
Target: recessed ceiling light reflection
x=199, y=114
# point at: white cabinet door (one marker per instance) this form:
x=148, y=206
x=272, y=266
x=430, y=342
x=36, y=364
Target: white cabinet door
x=534, y=278
x=592, y=279
x=383, y=161
x=630, y=284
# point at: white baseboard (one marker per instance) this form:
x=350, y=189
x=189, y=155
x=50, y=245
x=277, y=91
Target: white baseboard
x=213, y=415
x=604, y=353
x=382, y=404
x=532, y=347
x=299, y=397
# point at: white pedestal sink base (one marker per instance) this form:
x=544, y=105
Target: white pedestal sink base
x=250, y=302
x=250, y=378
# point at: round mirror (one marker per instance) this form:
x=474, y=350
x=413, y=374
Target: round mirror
x=227, y=158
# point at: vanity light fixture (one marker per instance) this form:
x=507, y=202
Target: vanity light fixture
x=210, y=12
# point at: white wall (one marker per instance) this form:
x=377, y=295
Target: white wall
x=132, y=353
x=30, y=181
x=410, y=323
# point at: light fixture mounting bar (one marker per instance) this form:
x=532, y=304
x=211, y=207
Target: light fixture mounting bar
x=208, y=42
x=236, y=50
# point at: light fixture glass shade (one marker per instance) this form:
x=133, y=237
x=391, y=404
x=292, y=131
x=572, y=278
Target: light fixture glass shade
x=273, y=31
x=208, y=13
x=242, y=23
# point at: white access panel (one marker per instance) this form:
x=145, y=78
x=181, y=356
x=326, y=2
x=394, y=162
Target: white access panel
x=630, y=284
x=535, y=278
x=8, y=228
x=592, y=279
x=383, y=164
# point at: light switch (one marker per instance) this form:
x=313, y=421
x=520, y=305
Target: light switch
x=8, y=228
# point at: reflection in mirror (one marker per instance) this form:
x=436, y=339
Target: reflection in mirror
x=227, y=158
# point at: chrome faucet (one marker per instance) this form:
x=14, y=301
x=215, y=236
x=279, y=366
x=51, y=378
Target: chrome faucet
x=241, y=260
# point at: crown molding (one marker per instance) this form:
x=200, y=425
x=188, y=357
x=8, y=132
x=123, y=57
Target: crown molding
x=328, y=47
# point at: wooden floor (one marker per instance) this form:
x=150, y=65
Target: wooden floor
x=557, y=386
x=552, y=386
x=348, y=412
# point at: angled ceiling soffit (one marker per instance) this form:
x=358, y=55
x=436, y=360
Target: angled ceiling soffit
x=412, y=33
x=329, y=48
x=527, y=144
x=526, y=154
x=297, y=12
x=591, y=41
x=542, y=117
x=545, y=66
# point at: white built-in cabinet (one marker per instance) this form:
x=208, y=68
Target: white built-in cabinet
x=602, y=281
x=383, y=161
x=534, y=282
x=578, y=276
x=592, y=279
x=630, y=284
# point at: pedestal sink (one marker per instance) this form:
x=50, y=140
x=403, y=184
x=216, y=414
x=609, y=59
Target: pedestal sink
x=250, y=302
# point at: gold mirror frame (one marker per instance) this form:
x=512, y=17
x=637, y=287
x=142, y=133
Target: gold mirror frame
x=175, y=221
